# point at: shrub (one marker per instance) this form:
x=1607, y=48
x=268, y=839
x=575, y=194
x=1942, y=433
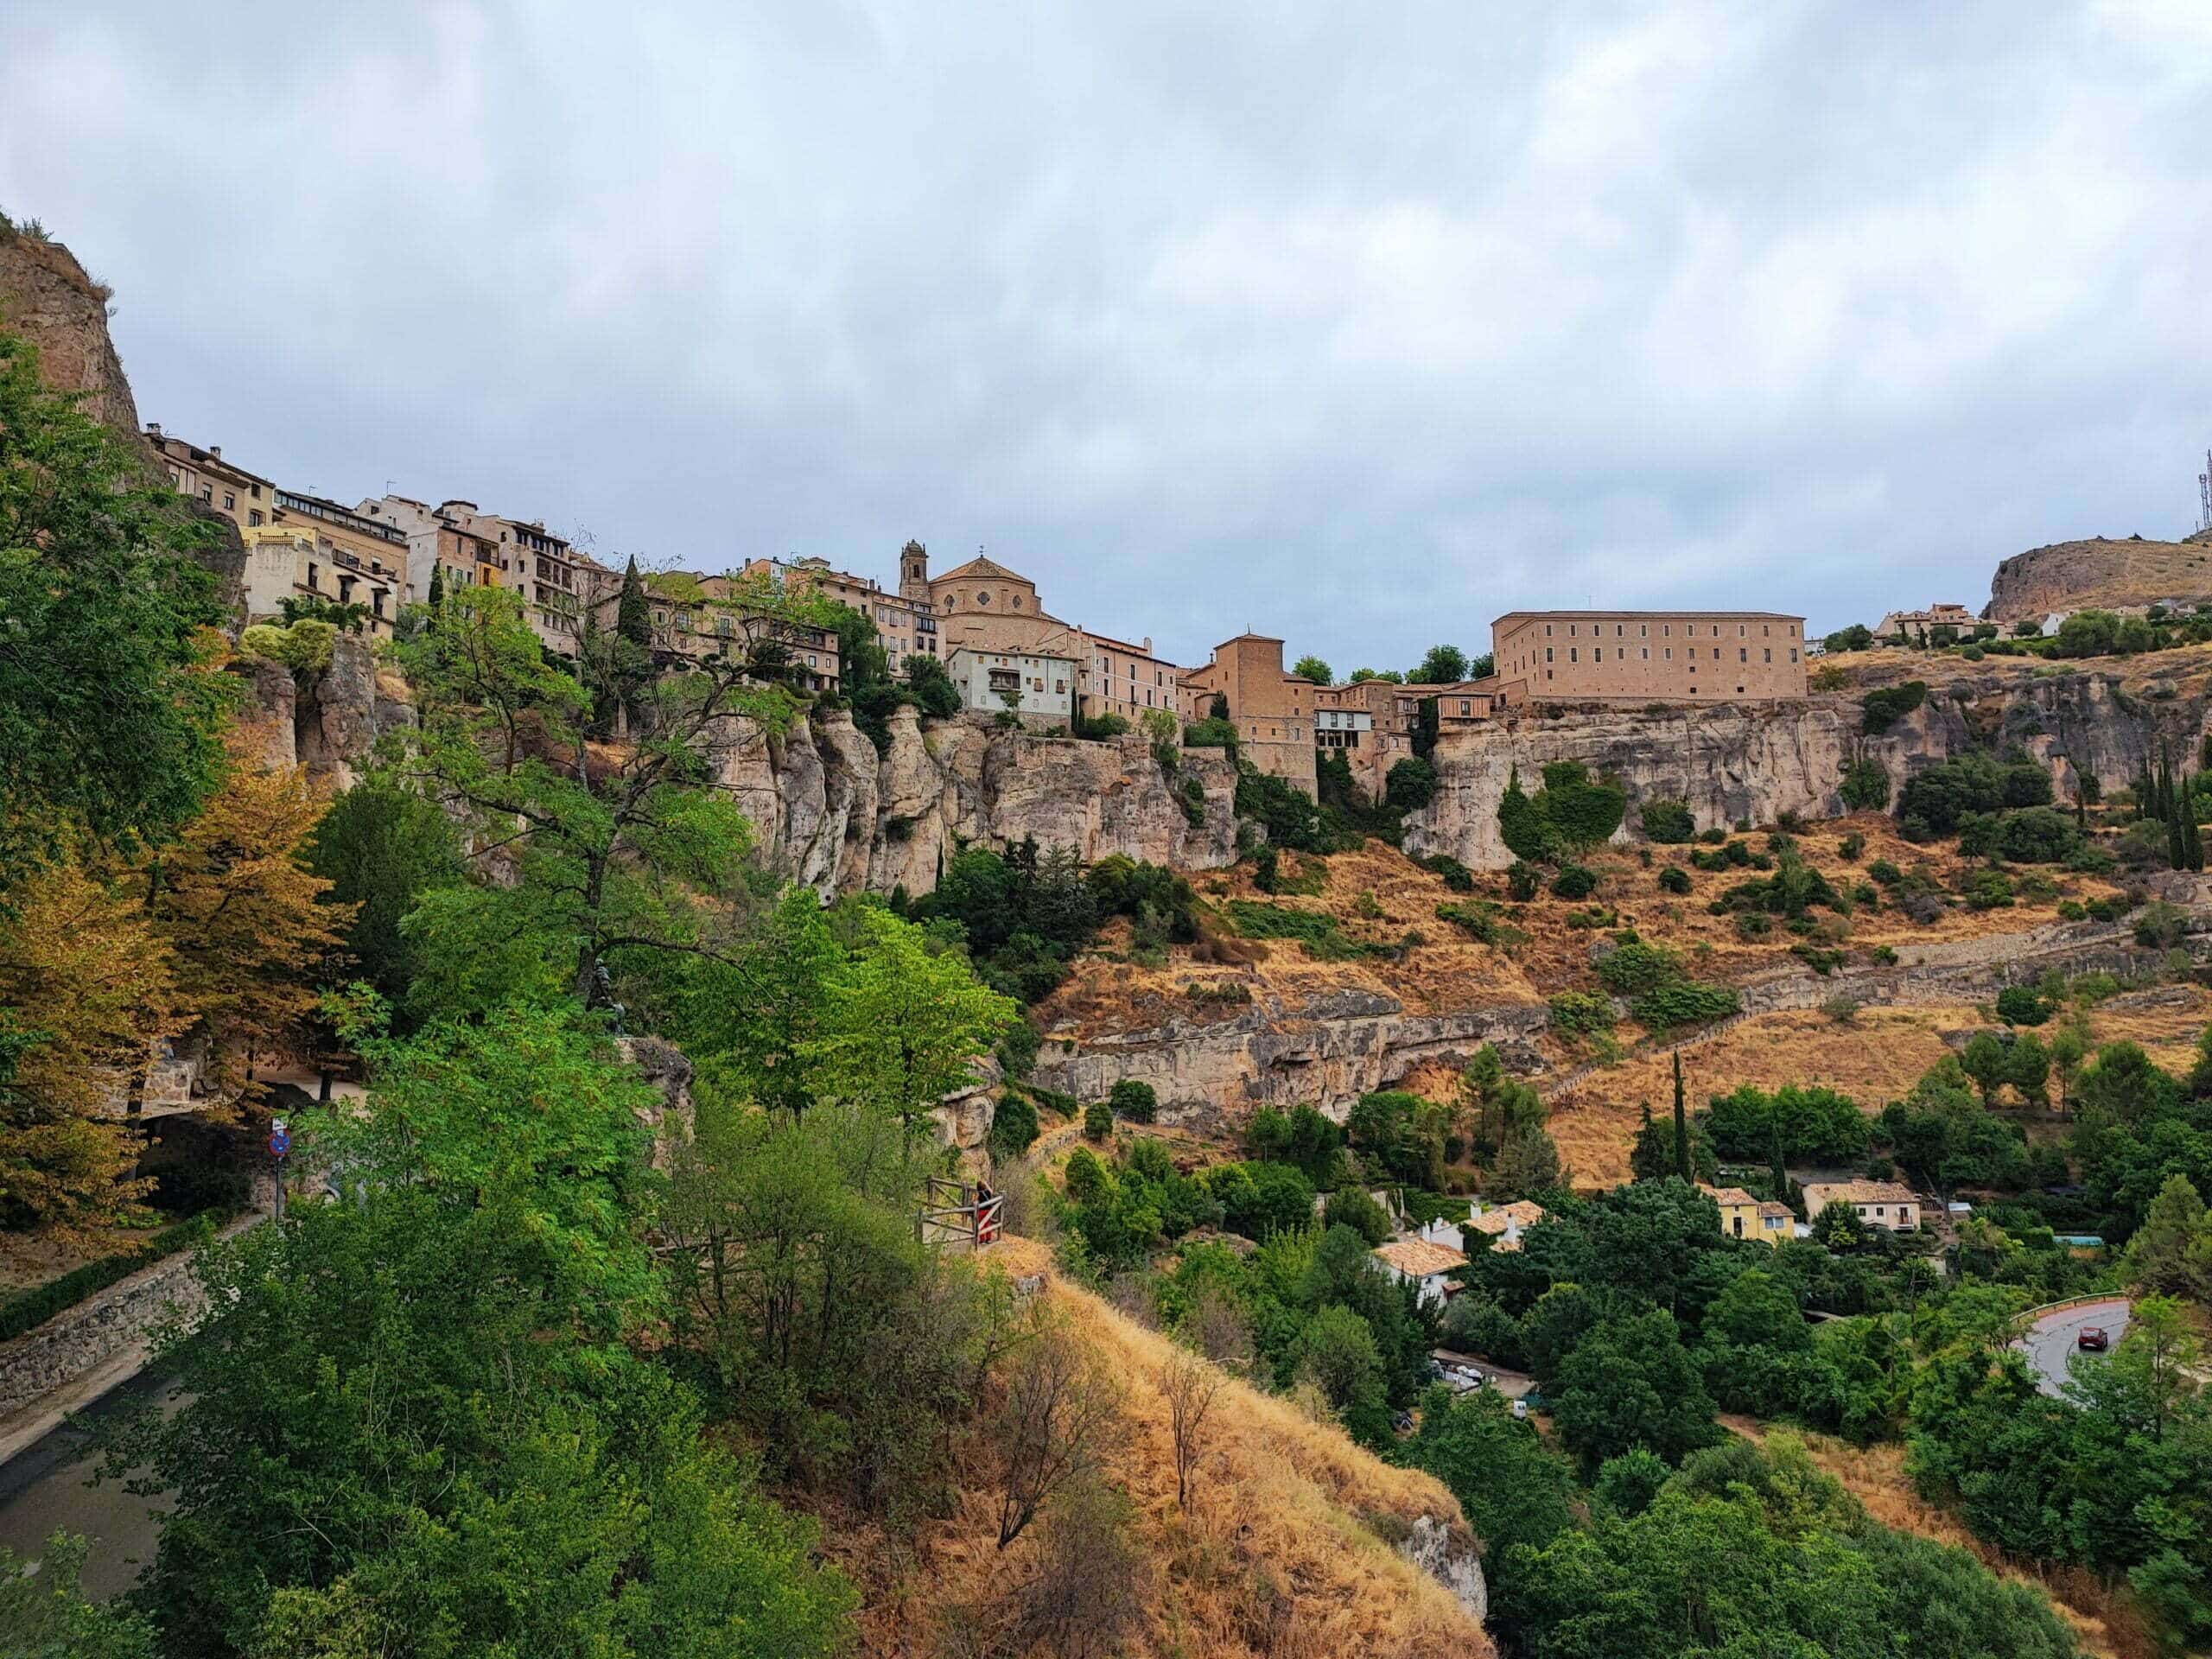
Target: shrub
x=1479, y=922
x=1014, y=1124
x=1133, y=1100
x=1210, y=735
x=1635, y=967
x=1941, y=795
x=1754, y=924
x=1578, y=1013
x=1315, y=930
x=1521, y=880
x=34, y=1307
x=1879, y=710
x=1410, y=785
x=1098, y=730
x=2019, y=1005
x=1685, y=1003
x=1885, y=873
x=1573, y=882
x=2071, y=910
x=1850, y=847
x=1988, y=890
x=1353, y=1206
x=2161, y=925
x=1673, y=879
x=1456, y=875
x=2034, y=834
x=1097, y=1125
x=1667, y=821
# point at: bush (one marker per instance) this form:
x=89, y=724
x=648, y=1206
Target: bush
x=2019, y=1005
x=1355, y=1207
x=2160, y=925
x=1014, y=1125
x=1687, y=1003
x=1410, y=785
x=1288, y=815
x=1667, y=821
x=1635, y=968
x=1673, y=879
x=1885, y=873
x=1456, y=875
x=1573, y=882
x=1479, y=922
x=1521, y=880
x=1210, y=735
x=1098, y=730
x=1988, y=890
x=1580, y=1013
x=1850, y=847
x=1133, y=1100
x=1941, y=795
x=2034, y=834
x=1879, y=710
x=1097, y=1125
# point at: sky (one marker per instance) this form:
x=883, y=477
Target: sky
x=1355, y=325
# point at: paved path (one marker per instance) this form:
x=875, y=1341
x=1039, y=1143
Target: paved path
x=42, y=1489
x=2049, y=1344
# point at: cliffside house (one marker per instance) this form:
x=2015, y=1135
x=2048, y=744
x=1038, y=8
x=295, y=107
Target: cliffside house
x=450, y=536
x=1426, y=1267
x=245, y=499
x=1879, y=1203
x=697, y=618
x=313, y=549
x=1504, y=1222
x=1272, y=710
x=905, y=622
x=1648, y=656
x=1038, y=689
x=1915, y=626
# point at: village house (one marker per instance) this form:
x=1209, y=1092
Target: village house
x=1039, y=690
x=905, y=622
x=1742, y=1216
x=335, y=554
x=1878, y=1203
x=1504, y=1222
x=446, y=538
x=1916, y=626
x=693, y=618
x=1648, y=656
x=1272, y=710
x=1428, y=1267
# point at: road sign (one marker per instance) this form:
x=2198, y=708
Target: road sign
x=280, y=1142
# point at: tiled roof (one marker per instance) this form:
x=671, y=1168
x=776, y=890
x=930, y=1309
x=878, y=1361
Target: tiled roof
x=1770, y=1210
x=1726, y=1196
x=980, y=566
x=1417, y=1258
x=1861, y=1193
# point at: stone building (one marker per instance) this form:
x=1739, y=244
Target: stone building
x=557, y=580
x=906, y=623
x=1272, y=710
x=1648, y=656
x=245, y=499
x=1040, y=689
x=1915, y=624
x=354, y=560
x=294, y=560
x=695, y=618
x=452, y=535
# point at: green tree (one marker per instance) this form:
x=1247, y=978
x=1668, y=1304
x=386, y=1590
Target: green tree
x=1312, y=668
x=1444, y=665
x=45, y=1614
x=1631, y=1383
x=2172, y=1253
x=902, y=1024
x=109, y=710
x=383, y=848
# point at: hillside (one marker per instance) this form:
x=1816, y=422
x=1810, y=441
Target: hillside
x=1291, y=1545
x=2103, y=572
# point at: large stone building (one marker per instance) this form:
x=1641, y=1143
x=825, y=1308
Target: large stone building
x=1915, y=626
x=1272, y=710
x=1648, y=656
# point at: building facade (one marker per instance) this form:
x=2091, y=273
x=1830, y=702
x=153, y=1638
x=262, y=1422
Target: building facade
x=1742, y=1216
x=1040, y=689
x=1648, y=656
x=1428, y=1267
x=1916, y=624
x=245, y=499
x=294, y=560
x=1879, y=1203
x=358, y=560
x=447, y=537
x=1272, y=710
x=907, y=625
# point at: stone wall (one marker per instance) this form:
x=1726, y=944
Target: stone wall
x=78, y=1339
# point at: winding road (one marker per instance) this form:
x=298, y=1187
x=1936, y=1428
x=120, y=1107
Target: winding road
x=2049, y=1342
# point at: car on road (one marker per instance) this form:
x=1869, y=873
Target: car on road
x=2094, y=1339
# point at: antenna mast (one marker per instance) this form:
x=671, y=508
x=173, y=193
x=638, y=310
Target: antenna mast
x=2204, y=493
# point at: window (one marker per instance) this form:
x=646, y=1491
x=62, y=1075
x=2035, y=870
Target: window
x=1548, y=630
x=1669, y=651
x=1644, y=630
x=376, y=600
x=230, y=502
x=1741, y=630
x=1547, y=653
x=253, y=515
x=1767, y=653
x=1573, y=655
x=1666, y=630
x=1647, y=655
x=1793, y=653
x=1618, y=630
x=207, y=493
x=1743, y=654
x=1596, y=653
x=312, y=576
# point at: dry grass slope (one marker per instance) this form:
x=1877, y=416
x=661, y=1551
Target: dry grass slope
x=1287, y=1551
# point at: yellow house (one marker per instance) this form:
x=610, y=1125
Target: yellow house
x=1742, y=1216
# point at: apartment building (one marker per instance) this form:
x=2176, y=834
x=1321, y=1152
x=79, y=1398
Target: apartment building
x=448, y=537
x=1649, y=655
x=1272, y=710
x=245, y=499
x=1039, y=689
x=356, y=560
x=696, y=619
x=557, y=580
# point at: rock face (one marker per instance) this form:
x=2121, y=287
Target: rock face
x=1327, y=1051
x=2102, y=572
x=1730, y=762
x=1450, y=1557
x=330, y=723
x=835, y=816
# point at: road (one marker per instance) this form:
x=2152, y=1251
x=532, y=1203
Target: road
x=2049, y=1342
x=42, y=1490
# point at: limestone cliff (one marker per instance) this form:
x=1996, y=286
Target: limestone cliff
x=2102, y=572
x=835, y=815
x=1736, y=762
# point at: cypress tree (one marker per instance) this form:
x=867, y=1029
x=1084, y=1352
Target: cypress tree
x=437, y=586
x=1774, y=1157
x=1682, y=1124
x=633, y=618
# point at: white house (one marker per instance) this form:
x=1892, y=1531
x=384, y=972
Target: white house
x=1426, y=1266
x=1040, y=688
x=1891, y=1204
x=1504, y=1223
x=1441, y=1231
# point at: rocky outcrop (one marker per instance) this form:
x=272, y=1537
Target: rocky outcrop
x=328, y=721
x=2100, y=572
x=833, y=814
x=47, y=297
x=1447, y=1555
x=1325, y=1051
x=1736, y=762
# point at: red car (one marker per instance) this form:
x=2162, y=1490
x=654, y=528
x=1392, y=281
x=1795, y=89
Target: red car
x=2092, y=1339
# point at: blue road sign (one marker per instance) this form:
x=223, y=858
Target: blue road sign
x=280, y=1142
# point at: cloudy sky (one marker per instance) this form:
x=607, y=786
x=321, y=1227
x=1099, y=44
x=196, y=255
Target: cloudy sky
x=1355, y=324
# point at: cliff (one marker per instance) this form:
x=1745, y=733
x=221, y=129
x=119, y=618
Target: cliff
x=48, y=297
x=2099, y=572
x=1743, y=762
